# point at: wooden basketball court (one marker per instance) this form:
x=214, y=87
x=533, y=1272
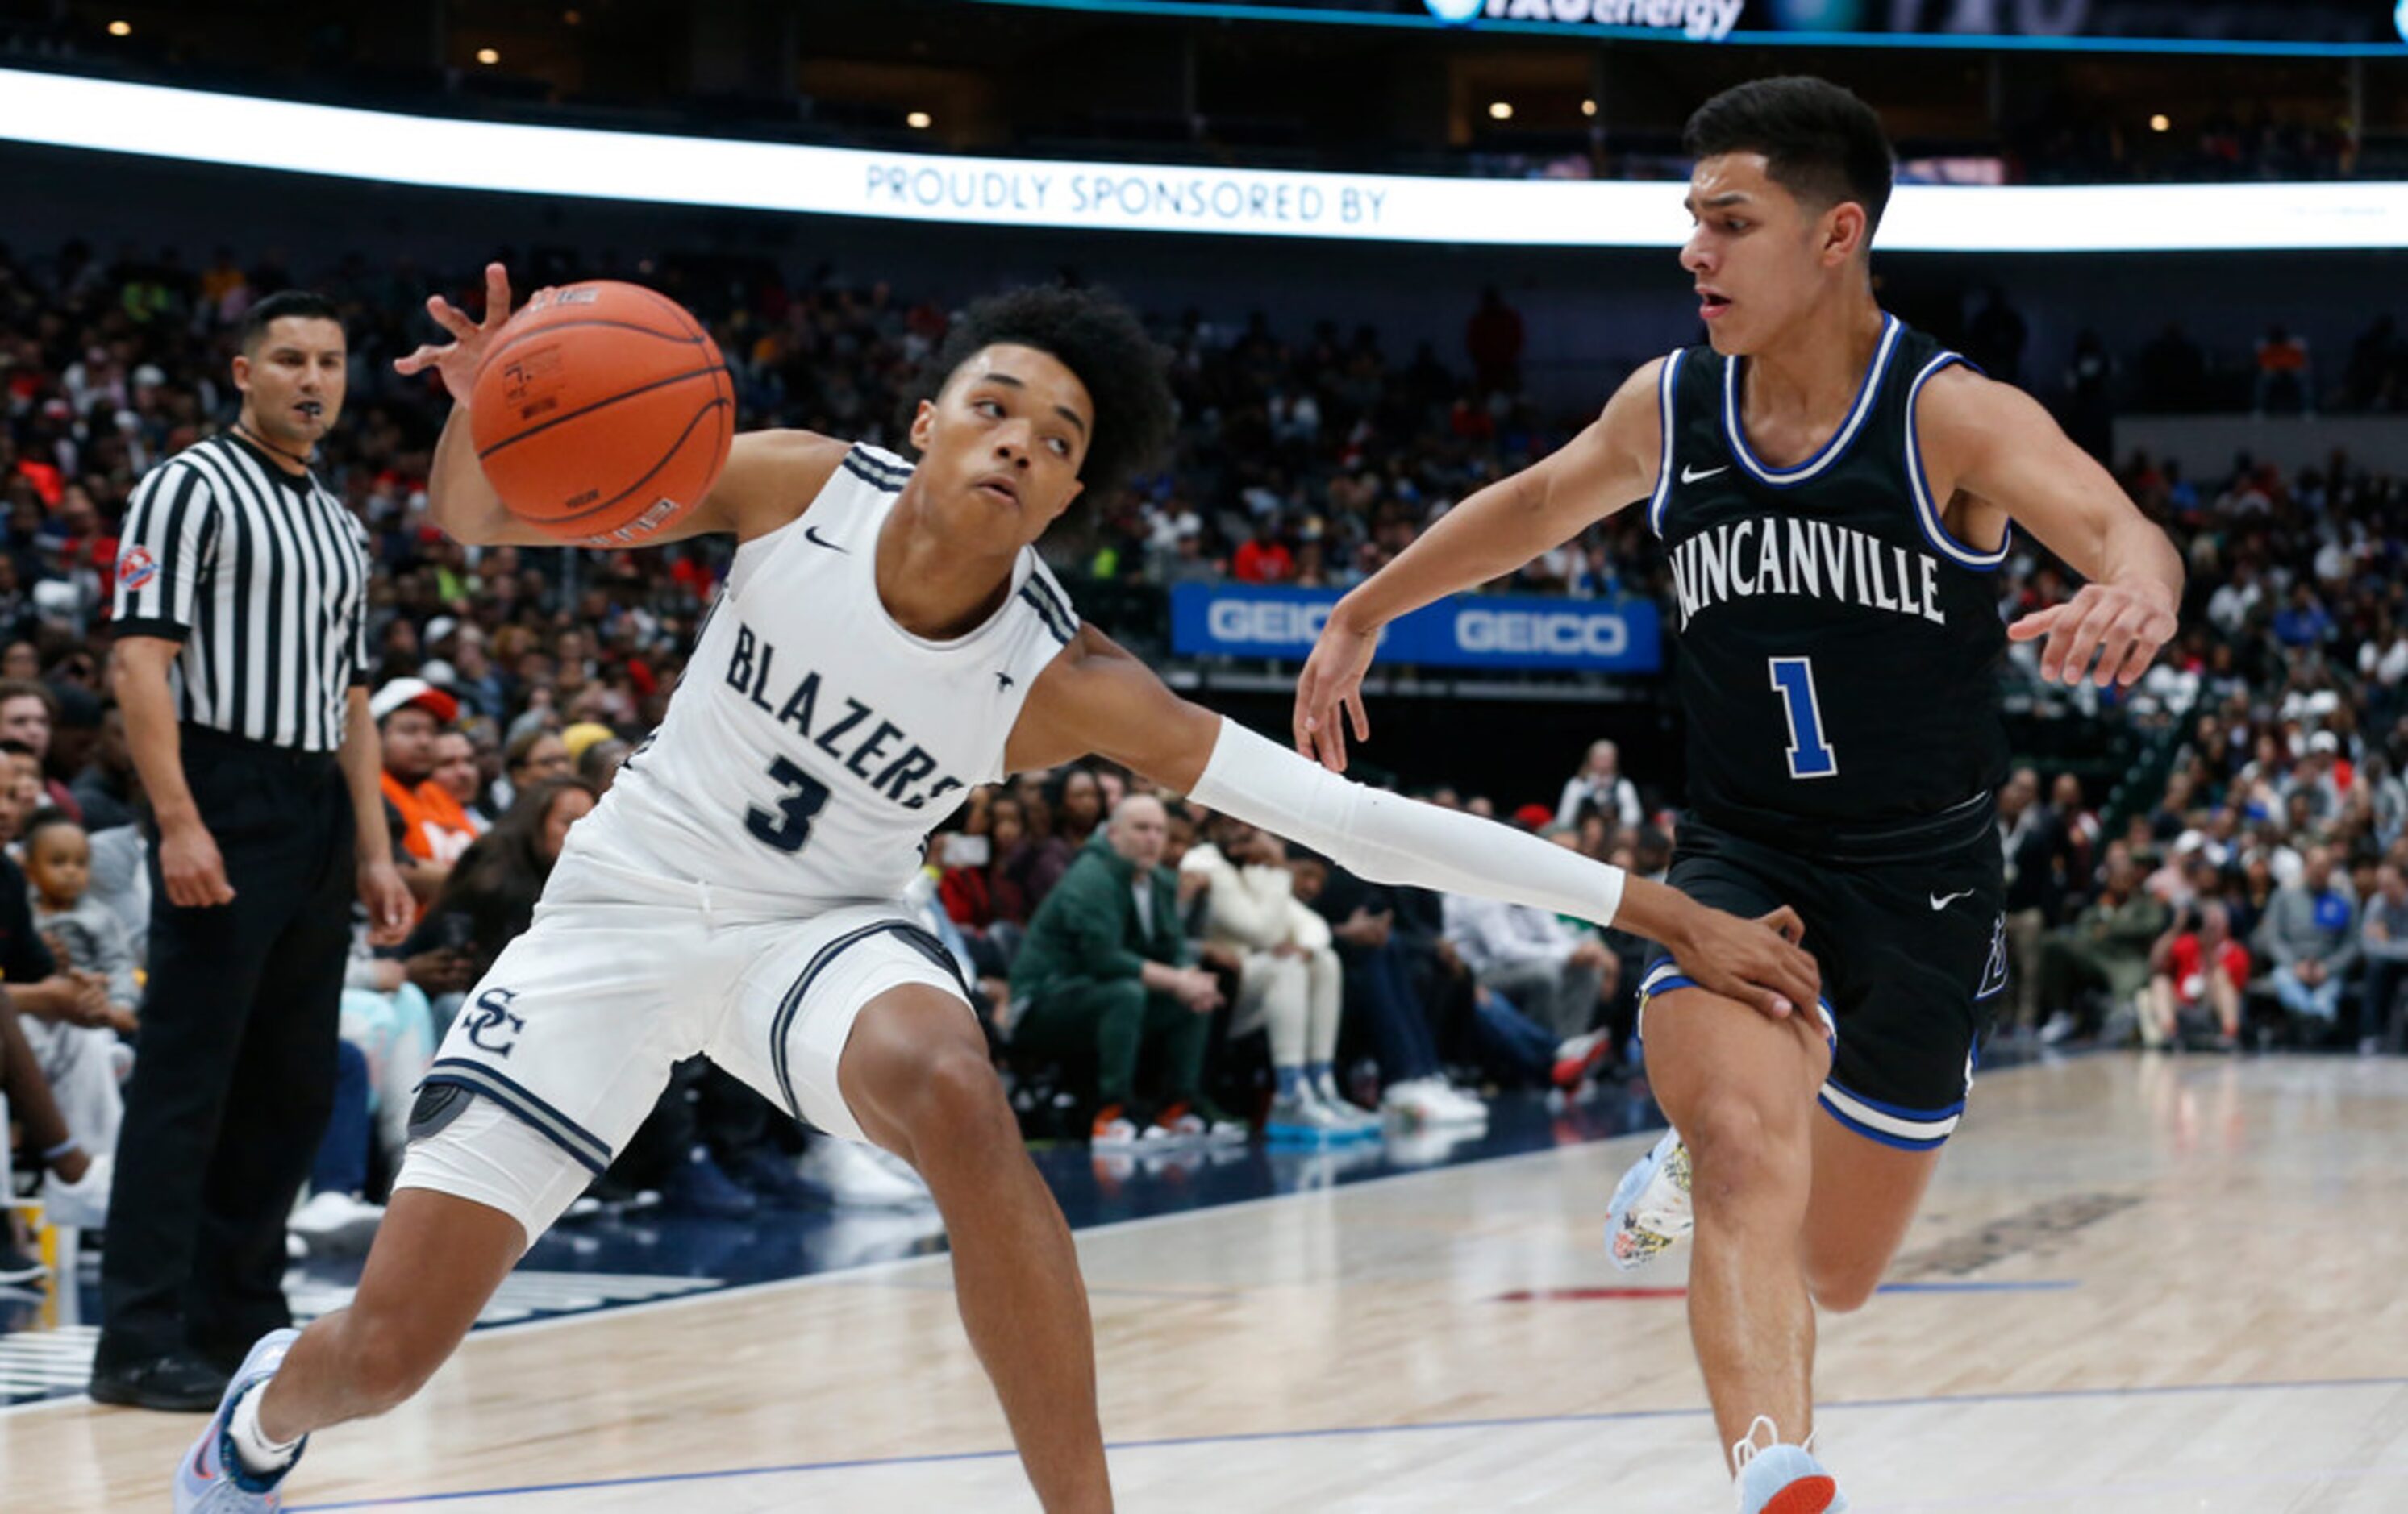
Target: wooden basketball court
x=2140, y=1285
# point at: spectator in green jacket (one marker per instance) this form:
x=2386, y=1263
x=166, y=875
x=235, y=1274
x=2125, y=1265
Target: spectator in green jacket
x=1106, y=966
x=2107, y=948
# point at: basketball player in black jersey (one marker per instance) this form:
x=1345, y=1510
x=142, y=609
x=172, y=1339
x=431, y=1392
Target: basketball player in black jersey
x=1835, y=491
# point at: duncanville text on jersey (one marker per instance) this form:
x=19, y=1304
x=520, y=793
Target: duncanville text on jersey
x=1782, y=554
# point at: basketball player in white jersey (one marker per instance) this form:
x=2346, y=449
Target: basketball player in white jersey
x=886, y=638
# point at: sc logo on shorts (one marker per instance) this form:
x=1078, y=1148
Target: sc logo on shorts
x=493, y=1017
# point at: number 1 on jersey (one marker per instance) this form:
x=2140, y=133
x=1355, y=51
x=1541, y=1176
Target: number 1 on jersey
x=1810, y=754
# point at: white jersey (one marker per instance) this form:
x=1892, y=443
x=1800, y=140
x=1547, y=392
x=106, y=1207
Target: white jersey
x=813, y=743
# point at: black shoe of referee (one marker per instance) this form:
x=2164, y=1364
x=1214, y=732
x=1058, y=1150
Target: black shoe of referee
x=177, y=1384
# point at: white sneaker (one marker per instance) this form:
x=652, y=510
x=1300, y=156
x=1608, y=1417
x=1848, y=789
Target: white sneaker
x=79, y=1205
x=1651, y=1205
x=867, y=1176
x=1464, y=1107
x=1428, y=1102
x=1193, y=1129
x=1362, y=1122
x=336, y=1225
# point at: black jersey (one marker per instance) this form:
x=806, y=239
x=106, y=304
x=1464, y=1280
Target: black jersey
x=1839, y=653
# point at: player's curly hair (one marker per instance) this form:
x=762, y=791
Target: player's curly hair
x=1100, y=339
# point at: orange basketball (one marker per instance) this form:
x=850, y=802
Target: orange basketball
x=603, y=413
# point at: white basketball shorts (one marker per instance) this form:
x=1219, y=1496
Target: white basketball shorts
x=624, y=972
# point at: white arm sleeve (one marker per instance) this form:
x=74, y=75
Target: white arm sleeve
x=1391, y=840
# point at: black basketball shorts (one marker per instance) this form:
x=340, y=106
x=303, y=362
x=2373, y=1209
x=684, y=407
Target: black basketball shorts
x=1912, y=951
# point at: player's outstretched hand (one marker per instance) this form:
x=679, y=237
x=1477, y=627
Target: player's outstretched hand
x=2118, y=628
x=457, y=359
x=1329, y=693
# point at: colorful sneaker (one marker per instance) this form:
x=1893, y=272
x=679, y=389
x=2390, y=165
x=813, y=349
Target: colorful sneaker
x=1582, y=1055
x=1301, y=1120
x=210, y=1479
x=1112, y=1131
x=1651, y=1205
x=1783, y=1479
x=1364, y=1125
x=1201, y=1124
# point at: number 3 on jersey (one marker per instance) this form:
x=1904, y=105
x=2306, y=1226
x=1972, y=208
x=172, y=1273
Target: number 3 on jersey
x=789, y=826
x=1810, y=754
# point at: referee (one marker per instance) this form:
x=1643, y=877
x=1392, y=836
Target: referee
x=241, y=668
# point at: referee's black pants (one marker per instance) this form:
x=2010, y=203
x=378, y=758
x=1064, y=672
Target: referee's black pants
x=235, y=1079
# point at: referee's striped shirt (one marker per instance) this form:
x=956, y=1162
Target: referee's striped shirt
x=262, y=575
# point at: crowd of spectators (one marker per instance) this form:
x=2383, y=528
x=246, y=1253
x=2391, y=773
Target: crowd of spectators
x=2257, y=892
x=1160, y=972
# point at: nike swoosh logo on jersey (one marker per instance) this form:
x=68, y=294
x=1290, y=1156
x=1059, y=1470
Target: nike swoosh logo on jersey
x=1943, y=901
x=1689, y=475
x=812, y=535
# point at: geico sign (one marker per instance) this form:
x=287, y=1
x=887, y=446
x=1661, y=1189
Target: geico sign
x=1560, y=633
x=1268, y=621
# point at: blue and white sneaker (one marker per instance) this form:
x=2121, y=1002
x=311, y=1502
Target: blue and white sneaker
x=1301, y=1119
x=1650, y=1206
x=211, y=1480
x=1783, y=1479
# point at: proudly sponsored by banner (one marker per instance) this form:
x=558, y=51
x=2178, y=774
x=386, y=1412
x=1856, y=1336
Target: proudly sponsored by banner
x=1471, y=631
x=112, y=115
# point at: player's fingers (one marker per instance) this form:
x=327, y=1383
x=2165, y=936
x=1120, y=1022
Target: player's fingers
x=1784, y=921
x=2135, y=661
x=2052, y=652
x=450, y=317
x=1806, y=978
x=2130, y=638
x=2035, y=625
x=1354, y=703
x=417, y=362
x=2114, y=649
x=497, y=295
x=2082, y=646
x=1300, y=721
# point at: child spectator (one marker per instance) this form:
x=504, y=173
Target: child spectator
x=81, y=932
x=79, y=1046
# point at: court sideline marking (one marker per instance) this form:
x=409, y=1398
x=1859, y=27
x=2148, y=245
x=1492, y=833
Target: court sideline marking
x=1333, y=1432
x=872, y=1269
